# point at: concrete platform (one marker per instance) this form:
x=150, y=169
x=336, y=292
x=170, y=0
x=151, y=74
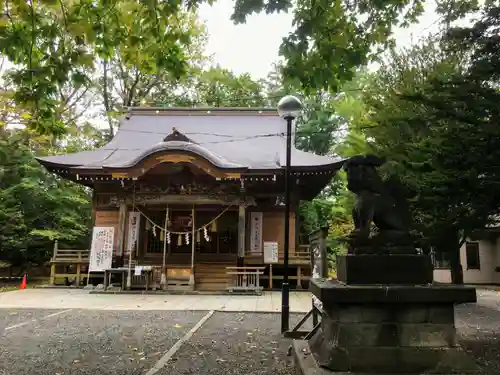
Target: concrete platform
x=300, y=302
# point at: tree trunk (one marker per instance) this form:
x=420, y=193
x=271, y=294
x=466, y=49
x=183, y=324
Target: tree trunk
x=105, y=95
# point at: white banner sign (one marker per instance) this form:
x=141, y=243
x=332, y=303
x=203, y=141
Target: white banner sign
x=134, y=220
x=256, y=232
x=270, y=252
x=101, y=252
x=317, y=269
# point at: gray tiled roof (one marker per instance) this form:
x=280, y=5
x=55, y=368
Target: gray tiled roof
x=229, y=139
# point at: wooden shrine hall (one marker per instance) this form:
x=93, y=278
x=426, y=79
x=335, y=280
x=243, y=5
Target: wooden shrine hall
x=194, y=198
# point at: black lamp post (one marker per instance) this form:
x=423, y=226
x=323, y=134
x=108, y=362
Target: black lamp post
x=289, y=108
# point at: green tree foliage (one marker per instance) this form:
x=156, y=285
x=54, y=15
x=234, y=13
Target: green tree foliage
x=320, y=129
x=56, y=44
x=36, y=207
x=215, y=87
x=434, y=116
x=331, y=38
x=123, y=82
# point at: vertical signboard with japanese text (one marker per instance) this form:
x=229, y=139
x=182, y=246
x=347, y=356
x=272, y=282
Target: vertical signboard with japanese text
x=133, y=231
x=319, y=261
x=256, y=232
x=101, y=252
x=271, y=252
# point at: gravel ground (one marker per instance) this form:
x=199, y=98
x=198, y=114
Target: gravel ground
x=93, y=342
x=81, y=342
x=12, y=317
x=234, y=344
x=479, y=328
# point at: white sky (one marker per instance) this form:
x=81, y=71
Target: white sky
x=253, y=47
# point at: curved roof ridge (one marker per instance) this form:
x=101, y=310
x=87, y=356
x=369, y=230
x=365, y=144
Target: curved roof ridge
x=195, y=148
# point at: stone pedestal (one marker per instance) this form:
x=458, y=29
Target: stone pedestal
x=385, y=269
x=385, y=329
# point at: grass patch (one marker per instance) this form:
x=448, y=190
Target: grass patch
x=9, y=286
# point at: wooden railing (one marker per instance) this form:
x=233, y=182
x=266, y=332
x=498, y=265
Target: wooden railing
x=301, y=255
x=70, y=261
x=245, y=279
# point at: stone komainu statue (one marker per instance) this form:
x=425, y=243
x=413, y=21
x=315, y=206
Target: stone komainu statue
x=378, y=201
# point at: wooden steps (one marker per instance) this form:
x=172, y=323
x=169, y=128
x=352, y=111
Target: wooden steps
x=211, y=276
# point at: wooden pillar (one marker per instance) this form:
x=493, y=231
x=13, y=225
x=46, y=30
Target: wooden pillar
x=122, y=218
x=299, y=277
x=53, y=265
x=53, y=274
x=79, y=269
x=193, y=246
x=241, y=233
x=270, y=277
x=297, y=226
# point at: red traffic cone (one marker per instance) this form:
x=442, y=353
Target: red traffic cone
x=24, y=282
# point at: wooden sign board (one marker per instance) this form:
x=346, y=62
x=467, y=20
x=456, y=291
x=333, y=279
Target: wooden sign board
x=256, y=232
x=271, y=252
x=105, y=218
x=108, y=219
x=101, y=252
x=319, y=261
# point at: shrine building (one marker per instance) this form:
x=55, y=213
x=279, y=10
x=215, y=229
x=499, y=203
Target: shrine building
x=195, y=196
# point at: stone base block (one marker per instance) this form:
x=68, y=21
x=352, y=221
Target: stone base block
x=385, y=269
x=334, y=292
x=369, y=361
x=387, y=329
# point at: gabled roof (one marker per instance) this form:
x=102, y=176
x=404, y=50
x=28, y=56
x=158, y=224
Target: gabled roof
x=229, y=138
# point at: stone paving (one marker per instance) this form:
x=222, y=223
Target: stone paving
x=81, y=299
x=71, y=332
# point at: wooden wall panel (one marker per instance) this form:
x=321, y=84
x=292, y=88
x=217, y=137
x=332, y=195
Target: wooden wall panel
x=274, y=229
x=109, y=219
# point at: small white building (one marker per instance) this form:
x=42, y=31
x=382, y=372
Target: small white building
x=480, y=261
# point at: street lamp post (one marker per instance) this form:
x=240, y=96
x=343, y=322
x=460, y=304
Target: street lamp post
x=289, y=108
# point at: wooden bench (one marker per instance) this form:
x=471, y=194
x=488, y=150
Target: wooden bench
x=68, y=259
x=245, y=279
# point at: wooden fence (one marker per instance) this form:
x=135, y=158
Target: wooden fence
x=66, y=263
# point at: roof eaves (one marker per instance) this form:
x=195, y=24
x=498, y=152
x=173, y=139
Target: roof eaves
x=205, y=111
